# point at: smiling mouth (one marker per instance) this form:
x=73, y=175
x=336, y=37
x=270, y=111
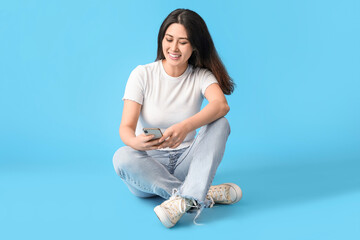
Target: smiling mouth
x=174, y=56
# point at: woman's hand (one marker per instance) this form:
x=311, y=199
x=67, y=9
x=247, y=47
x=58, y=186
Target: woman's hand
x=173, y=136
x=129, y=120
x=144, y=143
x=215, y=109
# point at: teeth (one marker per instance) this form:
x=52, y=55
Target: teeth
x=174, y=56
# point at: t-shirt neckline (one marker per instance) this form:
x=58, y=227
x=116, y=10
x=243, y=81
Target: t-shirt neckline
x=167, y=76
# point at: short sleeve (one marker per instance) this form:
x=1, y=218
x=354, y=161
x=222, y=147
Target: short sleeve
x=207, y=79
x=135, y=86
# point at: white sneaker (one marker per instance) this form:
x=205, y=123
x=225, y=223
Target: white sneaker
x=170, y=211
x=227, y=193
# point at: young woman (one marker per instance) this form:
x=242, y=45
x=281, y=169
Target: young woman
x=168, y=94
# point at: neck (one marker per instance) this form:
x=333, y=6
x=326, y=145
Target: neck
x=174, y=71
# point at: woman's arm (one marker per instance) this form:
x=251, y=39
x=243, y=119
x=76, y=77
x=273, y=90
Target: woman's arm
x=130, y=116
x=215, y=109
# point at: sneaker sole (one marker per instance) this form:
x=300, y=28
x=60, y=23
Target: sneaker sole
x=237, y=190
x=164, y=219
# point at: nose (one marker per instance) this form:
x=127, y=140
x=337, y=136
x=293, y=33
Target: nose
x=174, y=46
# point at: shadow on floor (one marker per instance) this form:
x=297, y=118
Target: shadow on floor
x=290, y=183
x=278, y=185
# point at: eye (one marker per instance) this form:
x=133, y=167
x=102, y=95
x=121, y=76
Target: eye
x=183, y=43
x=169, y=40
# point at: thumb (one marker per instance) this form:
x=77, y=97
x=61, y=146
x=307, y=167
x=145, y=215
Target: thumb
x=165, y=135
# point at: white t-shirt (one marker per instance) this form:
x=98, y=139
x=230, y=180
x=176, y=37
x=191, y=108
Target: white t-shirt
x=167, y=100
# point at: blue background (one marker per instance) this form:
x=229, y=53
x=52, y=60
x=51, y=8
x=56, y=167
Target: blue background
x=295, y=142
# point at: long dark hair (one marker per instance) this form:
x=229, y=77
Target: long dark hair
x=204, y=54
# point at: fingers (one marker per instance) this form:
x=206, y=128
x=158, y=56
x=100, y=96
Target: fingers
x=150, y=139
x=176, y=145
x=162, y=144
x=171, y=138
x=165, y=136
x=152, y=148
x=147, y=142
x=152, y=143
x=147, y=137
x=172, y=142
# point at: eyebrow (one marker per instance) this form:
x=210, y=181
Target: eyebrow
x=179, y=38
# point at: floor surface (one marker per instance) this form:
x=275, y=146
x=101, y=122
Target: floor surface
x=280, y=201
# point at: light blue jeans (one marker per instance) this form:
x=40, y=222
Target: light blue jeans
x=190, y=171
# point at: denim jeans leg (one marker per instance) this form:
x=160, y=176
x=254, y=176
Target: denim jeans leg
x=143, y=173
x=139, y=193
x=198, y=164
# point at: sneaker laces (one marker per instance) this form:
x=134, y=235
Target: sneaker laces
x=182, y=208
x=178, y=204
x=218, y=193
x=212, y=201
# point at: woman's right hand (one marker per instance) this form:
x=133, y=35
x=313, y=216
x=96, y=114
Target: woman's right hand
x=144, y=143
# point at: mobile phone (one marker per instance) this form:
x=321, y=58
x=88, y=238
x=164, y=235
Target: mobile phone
x=153, y=131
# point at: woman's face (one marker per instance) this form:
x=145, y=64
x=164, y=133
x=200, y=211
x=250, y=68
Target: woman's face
x=176, y=46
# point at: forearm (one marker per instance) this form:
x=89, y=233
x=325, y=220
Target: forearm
x=127, y=134
x=211, y=112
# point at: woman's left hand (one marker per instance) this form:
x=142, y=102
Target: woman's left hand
x=173, y=136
